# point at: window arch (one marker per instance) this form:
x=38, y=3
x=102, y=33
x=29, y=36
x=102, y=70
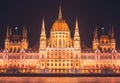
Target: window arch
x=42, y=55
x=76, y=56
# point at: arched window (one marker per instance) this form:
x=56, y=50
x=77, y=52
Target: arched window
x=106, y=41
x=76, y=64
x=76, y=56
x=59, y=42
x=22, y=57
x=10, y=49
x=102, y=41
x=113, y=57
x=42, y=56
x=18, y=49
x=55, y=64
x=97, y=57
x=15, y=49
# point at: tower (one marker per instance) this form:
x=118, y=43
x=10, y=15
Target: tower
x=15, y=42
x=77, y=45
x=76, y=40
x=112, y=39
x=7, y=38
x=42, y=46
x=42, y=38
x=24, y=38
x=95, y=42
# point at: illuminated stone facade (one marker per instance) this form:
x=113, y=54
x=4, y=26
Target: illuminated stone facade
x=16, y=42
x=60, y=53
x=105, y=42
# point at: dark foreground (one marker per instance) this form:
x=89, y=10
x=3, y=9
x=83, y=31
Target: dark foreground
x=60, y=75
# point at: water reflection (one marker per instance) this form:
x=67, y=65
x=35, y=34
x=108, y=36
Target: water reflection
x=59, y=79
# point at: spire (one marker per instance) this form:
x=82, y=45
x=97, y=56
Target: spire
x=7, y=33
x=76, y=35
x=95, y=33
x=42, y=37
x=23, y=31
x=76, y=40
x=43, y=25
x=112, y=33
x=76, y=24
x=10, y=32
x=26, y=32
x=60, y=13
x=43, y=34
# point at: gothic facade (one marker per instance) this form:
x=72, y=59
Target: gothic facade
x=60, y=53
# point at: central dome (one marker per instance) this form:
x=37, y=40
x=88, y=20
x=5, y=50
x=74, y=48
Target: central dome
x=60, y=25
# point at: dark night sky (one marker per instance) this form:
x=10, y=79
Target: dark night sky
x=103, y=13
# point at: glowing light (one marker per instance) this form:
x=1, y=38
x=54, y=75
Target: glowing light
x=102, y=28
x=16, y=28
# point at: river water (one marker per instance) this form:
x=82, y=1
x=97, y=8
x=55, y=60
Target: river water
x=59, y=79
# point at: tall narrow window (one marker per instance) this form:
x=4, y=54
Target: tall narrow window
x=76, y=56
x=42, y=56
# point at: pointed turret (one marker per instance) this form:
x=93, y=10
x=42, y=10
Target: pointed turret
x=10, y=32
x=24, y=40
x=76, y=37
x=24, y=33
x=113, y=41
x=76, y=34
x=60, y=13
x=7, y=33
x=43, y=37
x=7, y=38
x=95, y=33
x=112, y=33
x=95, y=42
x=43, y=34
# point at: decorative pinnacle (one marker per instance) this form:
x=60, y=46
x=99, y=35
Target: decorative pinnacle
x=43, y=29
x=76, y=24
x=112, y=34
x=95, y=32
x=7, y=33
x=60, y=13
x=24, y=31
x=43, y=25
x=10, y=32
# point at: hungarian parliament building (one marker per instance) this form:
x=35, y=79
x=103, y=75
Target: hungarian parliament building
x=60, y=53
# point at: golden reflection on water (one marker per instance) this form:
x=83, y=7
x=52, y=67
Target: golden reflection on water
x=59, y=79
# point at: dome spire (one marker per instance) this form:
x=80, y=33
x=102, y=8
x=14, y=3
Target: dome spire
x=60, y=13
